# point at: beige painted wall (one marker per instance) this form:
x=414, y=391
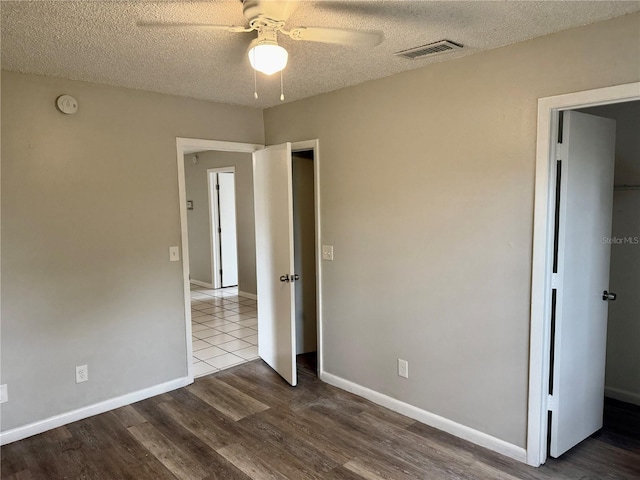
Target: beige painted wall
x=196, y=181
x=427, y=196
x=198, y=221
x=623, y=332
x=89, y=210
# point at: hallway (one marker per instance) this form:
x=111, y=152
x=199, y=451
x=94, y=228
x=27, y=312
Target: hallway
x=224, y=329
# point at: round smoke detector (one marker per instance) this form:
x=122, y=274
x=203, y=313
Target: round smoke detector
x=67, y=104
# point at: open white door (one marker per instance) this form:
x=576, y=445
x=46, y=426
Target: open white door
x=228, y=235
x=587, y=154
x=272, y=179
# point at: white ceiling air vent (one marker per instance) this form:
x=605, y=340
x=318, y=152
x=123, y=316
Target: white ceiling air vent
x=435, y=48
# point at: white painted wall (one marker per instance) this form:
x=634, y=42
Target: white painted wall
x=89, y=210
x=427, y=196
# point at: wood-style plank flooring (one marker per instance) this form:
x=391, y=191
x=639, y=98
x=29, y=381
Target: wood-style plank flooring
x=245, y=422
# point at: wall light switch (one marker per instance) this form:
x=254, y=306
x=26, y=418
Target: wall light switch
x=174, y=254
x=4, y=394
x=327, y=252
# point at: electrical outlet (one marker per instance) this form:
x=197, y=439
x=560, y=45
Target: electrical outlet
x=327, y=252
x=82, y=373
x=403, y=368
x=4, y=394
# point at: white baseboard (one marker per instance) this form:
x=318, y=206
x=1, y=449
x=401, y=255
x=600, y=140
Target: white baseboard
x=201, y=284
x=252, y=296
x=40, y=426
x=474, y=436
x=622, y=395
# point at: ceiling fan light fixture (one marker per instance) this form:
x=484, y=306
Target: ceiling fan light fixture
x=267, y=56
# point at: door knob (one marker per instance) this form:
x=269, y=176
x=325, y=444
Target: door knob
x=608, y=296
x=284, y=278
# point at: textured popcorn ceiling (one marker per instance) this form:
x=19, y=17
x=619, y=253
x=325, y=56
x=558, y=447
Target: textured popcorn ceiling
x=99, y=41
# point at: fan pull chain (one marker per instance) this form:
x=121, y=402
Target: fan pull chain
x=281, y=87
x=255, y=85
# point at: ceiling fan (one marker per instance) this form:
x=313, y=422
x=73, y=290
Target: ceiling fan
x=269, y=18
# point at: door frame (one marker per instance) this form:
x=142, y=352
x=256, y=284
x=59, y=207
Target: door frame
x=543, y=233
x=185, y=146
x=191, y=145
x=214, y=235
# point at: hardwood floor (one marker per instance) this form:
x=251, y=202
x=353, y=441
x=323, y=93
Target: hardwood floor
x=246, y=422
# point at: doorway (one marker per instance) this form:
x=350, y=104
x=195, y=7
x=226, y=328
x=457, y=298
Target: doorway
x=621, y=418
x=222, y=226
x=542, y=403
x=223, y=317
x=304, y=253
x=241, y=295
x=623, y=350
x=287, y=208
x=243, y=298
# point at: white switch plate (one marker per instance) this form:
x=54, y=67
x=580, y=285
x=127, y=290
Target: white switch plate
x=82, y=373
x=4, y=393
x=403, y=368
x=174, y=254
x=327, y=252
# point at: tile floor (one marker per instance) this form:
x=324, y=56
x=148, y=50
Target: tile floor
x=224, y=329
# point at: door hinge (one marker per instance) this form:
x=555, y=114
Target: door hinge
x=551, y=403
x=220, y=271
x=561, y=151
x=219, y=230
x=554, y=280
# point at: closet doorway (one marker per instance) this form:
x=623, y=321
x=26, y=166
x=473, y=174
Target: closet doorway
x=572, y=291
x=288, y=268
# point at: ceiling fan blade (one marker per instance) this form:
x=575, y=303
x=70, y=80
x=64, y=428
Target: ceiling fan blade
x=338, y=36
x=206, y=26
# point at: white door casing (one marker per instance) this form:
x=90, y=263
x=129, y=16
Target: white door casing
x=228, y=232
x=587, y=154
x=186, y=145
x=272, y=176
x=543, y=228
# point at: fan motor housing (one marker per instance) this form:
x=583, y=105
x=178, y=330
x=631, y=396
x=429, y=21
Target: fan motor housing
x=274, y=10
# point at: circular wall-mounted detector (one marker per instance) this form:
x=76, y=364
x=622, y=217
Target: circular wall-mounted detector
x=67, y=104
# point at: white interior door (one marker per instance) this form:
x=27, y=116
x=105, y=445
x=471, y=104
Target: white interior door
x=228, y=235
x=586, y=196
x=273, y=198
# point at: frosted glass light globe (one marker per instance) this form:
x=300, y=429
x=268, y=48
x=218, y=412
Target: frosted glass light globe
x=268, y=57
